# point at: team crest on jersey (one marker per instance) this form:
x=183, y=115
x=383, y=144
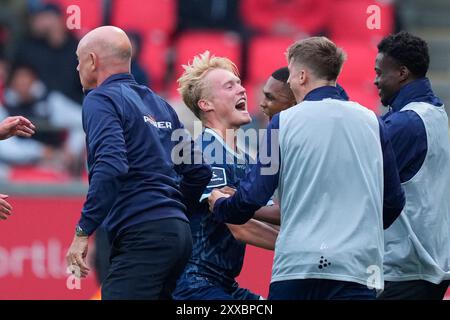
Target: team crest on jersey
x=218, y=178
x=157, y=124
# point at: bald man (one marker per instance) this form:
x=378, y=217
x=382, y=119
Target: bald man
x=135, y=190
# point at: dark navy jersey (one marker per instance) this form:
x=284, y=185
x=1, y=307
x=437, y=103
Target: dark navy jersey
x=216, y=254
x=406, y=129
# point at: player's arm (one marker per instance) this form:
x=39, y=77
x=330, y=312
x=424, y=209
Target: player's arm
x=394, y=196
x=256, y=189
x=16, y=126
x=269, y=214
x=106, y=143
x=5, y=207
x=255, y=233
x=408, y=138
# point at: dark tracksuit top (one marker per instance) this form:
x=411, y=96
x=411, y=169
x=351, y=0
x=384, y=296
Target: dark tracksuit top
x=132, y=178
x=406, y=129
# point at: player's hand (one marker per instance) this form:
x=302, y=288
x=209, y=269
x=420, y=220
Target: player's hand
x=5, y=207
x=216, y=194
x=228, y=190
x=76, y=256
x=16, y=126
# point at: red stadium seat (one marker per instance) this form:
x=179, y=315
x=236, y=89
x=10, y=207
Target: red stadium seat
x=348, y=20
x=90, y=10
x=154, y=56
x=358, y=73
x=360, y=63
x=190, y=44
x=145, y=15
x=261, y=260
x=272, y=16
x=365, y=95
x=266, y=54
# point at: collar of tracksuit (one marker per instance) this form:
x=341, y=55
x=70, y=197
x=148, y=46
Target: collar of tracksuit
x=325, y=92
x=115, y=77
x=416, y=91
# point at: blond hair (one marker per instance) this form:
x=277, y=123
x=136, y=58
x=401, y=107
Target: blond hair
x=319, y=54
x=191, y=85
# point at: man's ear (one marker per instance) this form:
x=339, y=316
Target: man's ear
x=205, y=105
x=302, y=76
x=93, y=60
x=404, y=73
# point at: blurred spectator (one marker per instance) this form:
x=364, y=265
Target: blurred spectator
x=4, y=65
x=13, y=15
x=50, y=50
x=209, y=14
x=59, y=140
x=140, y=75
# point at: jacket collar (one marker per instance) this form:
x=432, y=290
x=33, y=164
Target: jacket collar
x=118, y=77
x=416, y=91
x=326, y=92
x=127, y=77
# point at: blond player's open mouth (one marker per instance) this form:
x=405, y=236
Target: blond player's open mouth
x=241, y=105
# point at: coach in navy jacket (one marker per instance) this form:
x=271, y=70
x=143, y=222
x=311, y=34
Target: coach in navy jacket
x=134, y=187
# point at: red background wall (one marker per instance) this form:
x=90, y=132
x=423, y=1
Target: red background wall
x=34, y=242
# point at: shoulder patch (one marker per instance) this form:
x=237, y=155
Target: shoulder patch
x=218, y=179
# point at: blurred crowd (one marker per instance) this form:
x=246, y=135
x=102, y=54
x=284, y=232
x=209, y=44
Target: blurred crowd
x=39, y=80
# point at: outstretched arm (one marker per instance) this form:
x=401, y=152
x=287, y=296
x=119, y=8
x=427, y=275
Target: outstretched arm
x=269, y=214
x=255, y=233
x=5, y=207
x=256, y=189
x=16, y=126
